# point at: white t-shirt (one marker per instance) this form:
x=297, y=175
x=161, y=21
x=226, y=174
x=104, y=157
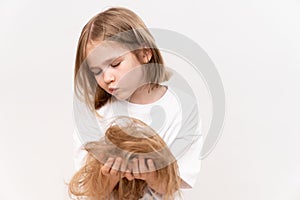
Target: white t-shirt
x=174, y=117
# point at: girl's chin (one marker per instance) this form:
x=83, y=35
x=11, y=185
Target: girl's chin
x=120, y=97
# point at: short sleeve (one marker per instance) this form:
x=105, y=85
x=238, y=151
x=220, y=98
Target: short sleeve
x=187, y=145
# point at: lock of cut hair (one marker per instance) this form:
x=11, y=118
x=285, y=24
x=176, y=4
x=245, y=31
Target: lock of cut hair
x=127, y=138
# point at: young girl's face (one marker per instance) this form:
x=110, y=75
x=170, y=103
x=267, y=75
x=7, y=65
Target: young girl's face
x=117, y=70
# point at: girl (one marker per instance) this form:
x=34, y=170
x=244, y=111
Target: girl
x=127, y=139
x=119, y=71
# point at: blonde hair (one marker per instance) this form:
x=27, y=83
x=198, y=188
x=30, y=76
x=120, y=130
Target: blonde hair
x=126, y=140
x=124, y=26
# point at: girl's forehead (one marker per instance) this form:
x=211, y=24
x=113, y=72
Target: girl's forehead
x=104, y=52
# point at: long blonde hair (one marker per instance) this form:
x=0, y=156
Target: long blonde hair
x=126, y=138
x=125, y=27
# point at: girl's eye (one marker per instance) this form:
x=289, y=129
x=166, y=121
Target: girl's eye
x=115, y=65
x=96, y=73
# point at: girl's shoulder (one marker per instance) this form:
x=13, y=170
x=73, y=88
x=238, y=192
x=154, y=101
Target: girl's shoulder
x=182, y=98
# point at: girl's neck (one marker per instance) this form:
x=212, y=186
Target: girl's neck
x=148, y=94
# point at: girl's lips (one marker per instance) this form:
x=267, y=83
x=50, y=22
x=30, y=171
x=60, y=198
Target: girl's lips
x=112, y=90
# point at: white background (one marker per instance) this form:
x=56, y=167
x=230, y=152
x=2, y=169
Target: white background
x=254, y=44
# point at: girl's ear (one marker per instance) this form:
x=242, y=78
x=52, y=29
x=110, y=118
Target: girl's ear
x=145, y=55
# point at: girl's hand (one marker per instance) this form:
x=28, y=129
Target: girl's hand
x=144, y=169
x=111, y=170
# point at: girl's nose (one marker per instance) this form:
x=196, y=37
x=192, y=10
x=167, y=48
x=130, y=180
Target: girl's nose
x=108, y=76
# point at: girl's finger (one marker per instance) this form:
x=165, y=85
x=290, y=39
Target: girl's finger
x=135, y=168
x=123, y=167
x=151, y=166
x=128, y=173
x=142, y=165
x=116, y=166
x=105, y=170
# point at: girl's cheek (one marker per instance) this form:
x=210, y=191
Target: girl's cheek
x=100, y=82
